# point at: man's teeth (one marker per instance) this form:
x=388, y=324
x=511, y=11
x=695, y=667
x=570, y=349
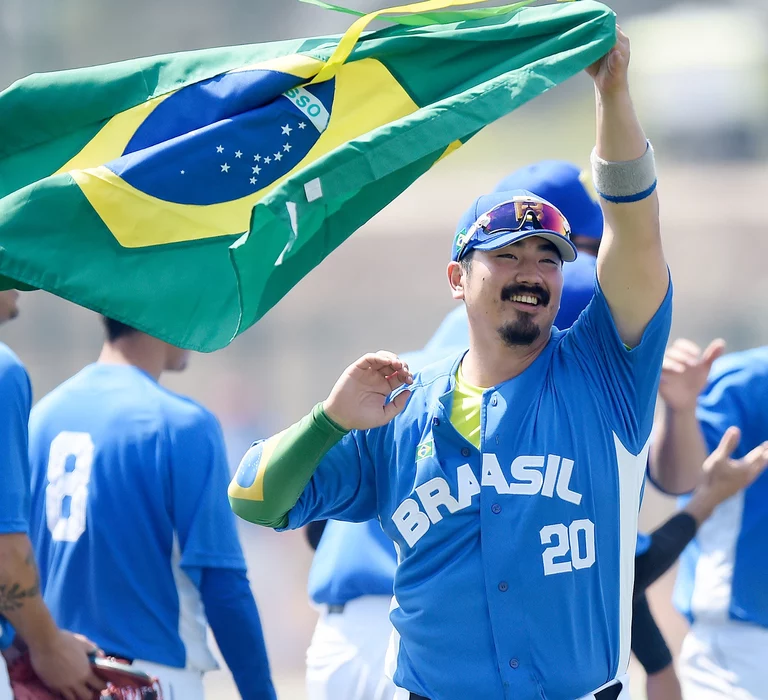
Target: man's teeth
x=525, y=299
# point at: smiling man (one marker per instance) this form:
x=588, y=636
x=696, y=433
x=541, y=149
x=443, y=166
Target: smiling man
x=509, y=474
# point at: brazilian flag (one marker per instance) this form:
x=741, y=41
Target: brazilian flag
x=186, y=194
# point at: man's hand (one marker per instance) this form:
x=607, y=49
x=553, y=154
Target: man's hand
x=64, y=666
x=724, y=477
x=358, y=400
x=610, y=72
x=684, y=372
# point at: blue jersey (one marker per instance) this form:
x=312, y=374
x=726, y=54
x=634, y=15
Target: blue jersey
x=724, y=572
x=351, y=559
x=129, y=505
x=15, y=402
x=516, y=561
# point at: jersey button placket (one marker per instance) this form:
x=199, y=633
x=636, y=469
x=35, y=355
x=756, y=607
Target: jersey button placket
x=514, y=663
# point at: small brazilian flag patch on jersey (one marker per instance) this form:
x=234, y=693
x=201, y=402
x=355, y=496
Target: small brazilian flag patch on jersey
x=425, y=449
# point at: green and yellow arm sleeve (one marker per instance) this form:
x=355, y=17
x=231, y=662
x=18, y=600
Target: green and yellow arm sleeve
x=274, y=473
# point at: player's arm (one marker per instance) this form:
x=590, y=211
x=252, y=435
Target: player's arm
x=227, y=597
x=275, y=473
x=211, y=554
x=678, y=448
x=630, y=267
x=59, y=658
x=723, y=477
x=651, y=650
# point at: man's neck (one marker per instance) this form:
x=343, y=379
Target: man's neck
x=137, y=350
x=490, y=364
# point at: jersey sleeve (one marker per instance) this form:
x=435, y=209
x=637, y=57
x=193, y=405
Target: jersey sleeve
x=204, y=523
x=626, y=379
x=15, y=404
x=730, y=398
x=343, y=486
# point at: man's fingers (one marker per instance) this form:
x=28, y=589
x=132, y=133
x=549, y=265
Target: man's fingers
x=95, y=683
x=756, y=460
x=379, y=360
x=728, y=443
x=713, y=351
x=683, y=356
x=396, y=405
x=671, y=366
x=397, y=379
x=687, y=346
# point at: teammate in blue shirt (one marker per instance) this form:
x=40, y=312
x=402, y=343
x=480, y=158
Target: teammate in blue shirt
x=721, y=587
x=59, y=658
x=352, y=575
x=130, y=522
x=508, y=475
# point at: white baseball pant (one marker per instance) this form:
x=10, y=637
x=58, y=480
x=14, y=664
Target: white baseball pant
x=346, y=656
x=724, y=661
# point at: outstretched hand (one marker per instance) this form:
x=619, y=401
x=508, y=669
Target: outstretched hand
x=610, y=72
x=685, y=370
x=725, y=476
x=358, y=400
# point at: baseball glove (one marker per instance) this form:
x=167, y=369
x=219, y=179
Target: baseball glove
x=124, y=681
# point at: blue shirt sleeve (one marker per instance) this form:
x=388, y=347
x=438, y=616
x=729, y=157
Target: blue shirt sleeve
x=227, y=596
x=343, y=486
x=737, y=385
x=626, y=379
x=15, y=404
x=204, y=522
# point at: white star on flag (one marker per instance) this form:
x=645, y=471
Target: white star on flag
x=182, y=172
x=253, y=180
x=219, y=149
x=287, y=147
x=267, y=160
x=278, y=156
x=225, y=168
x=302, y=125
x=256, y=169
x=257, y=157
x=238, y=154
x=286, y=129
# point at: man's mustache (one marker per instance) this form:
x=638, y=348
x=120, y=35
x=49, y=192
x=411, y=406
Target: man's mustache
x=534, y=290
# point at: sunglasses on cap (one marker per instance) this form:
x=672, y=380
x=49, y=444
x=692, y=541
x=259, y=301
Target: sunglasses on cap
x=518, y=214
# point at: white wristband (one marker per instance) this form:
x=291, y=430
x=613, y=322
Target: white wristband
x=624, y=181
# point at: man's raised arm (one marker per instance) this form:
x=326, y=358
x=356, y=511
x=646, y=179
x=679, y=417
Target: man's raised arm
x=630, y=266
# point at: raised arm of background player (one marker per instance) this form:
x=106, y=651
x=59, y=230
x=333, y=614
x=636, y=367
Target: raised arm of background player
x=274, y=473
x=630, y=264
x=678, y=447
x=720, y=478
x=59, y=658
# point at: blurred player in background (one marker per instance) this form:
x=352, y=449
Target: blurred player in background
x=722, y=586
x=131, y=525
x=59, y=658
x=352, y=574
x=722, y=477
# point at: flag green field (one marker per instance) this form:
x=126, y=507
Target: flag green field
x=186, y=194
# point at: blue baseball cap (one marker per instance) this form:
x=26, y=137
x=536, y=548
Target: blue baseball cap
x=578, y=289
x=498, y=219
x=566, y=186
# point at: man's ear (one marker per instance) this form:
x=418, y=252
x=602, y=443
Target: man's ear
x=457, y=279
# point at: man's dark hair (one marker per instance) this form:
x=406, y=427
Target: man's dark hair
x=115, y=329
x=466, y=261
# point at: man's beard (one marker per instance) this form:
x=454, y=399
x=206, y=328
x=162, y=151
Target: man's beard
x=522, y=331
